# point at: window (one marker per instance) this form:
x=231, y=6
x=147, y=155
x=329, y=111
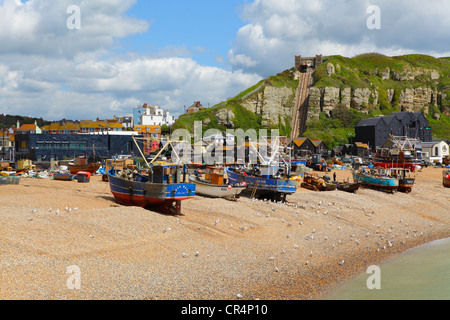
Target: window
x=77, y=145
x=23, y=145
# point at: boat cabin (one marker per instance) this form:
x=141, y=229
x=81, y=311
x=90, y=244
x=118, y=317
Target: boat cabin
x=165, y=174
x=214, y=175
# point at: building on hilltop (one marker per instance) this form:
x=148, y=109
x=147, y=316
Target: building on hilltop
x=196, y=107
x=152, y=116
x=303, y=63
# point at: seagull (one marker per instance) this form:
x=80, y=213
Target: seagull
x=341, y=263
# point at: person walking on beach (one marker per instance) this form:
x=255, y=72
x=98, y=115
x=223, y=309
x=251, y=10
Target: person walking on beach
x=334, y=176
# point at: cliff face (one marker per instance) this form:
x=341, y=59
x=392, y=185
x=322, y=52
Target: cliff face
x=273, y=104
x=373, y=82
x=367, y=99
x=369, y=83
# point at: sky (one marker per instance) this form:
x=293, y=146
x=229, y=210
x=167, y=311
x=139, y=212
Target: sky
x=83, y=59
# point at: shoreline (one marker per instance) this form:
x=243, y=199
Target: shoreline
x=216, y=250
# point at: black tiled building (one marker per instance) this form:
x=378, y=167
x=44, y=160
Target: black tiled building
x=376, y=131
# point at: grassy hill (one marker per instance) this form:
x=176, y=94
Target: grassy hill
x=362, y=71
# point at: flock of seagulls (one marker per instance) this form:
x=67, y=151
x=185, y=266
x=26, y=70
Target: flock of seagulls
x=384, y=236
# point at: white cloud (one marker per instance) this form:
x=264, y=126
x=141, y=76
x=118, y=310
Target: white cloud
x=39, y=27
x=276, y=30
x=49, y=71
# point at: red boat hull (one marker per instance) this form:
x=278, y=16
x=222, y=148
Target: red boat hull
x=172, y=205
x=404, y=165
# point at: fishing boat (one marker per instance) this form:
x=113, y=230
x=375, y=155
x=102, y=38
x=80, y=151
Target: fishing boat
x=266, y=184
x=446, y=178
x=348, y=186
x=397, y=152
x=158, y=186
x=213, y=184
x=44, y=175
x=270, y=177
x=63, y=176
x=80, y=164
x=405, y=179
x=62, y=173
x=375, y=179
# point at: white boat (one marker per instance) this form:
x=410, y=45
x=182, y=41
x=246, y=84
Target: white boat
x=211, y=183
x=206, y=188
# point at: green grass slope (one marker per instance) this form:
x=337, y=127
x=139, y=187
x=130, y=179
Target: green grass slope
x=362, y=71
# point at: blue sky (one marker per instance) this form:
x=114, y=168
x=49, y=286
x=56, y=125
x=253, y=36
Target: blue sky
x=204, y=28
x=172, y=53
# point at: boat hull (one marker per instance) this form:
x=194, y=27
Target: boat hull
x=63, y=176
x=215, y=191
x=406, y=185
x=349, y=187
x=92, y=168
x=265, y=187
x=445, y=180
x=377, y=182
x=157, y=196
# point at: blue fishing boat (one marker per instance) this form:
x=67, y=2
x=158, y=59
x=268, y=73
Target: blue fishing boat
x=267, y=182
x=160, y=189
x=159, y=186
x=376, y=179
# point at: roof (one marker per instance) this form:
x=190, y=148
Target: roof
x=362, y=145
x=61, y=127
x=27, y=127
x=147, y=129
x=299, y=141
x=100, y=124
x=316, y=142
x=370, y=122
x=431, y=143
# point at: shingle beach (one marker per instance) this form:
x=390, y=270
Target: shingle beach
x=217, y=249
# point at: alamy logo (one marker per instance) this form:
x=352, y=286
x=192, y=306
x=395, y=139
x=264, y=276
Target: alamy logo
x=374, y=20
x=374, y=281
x=74, y=280
x=74, y=20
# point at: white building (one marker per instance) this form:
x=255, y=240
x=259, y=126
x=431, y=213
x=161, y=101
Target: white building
x=152, y=116
x=435, y=151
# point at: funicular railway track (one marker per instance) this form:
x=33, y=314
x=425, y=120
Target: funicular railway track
x=301, y=103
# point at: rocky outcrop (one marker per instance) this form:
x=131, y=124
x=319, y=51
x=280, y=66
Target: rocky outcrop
x=411, y=74
x=330, y=69
x=225, y=117
x=366, y=99
x=274, y=104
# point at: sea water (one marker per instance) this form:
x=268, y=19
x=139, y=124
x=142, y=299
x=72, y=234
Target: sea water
x=421, y=273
